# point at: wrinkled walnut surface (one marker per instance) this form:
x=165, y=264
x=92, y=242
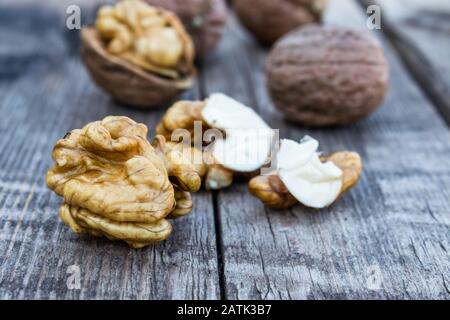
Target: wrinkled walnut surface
x=118, y=58
x=274, y=194
x=180, y=167
x=182, y=115
x=214, y=175
x=136, y=234
x=324, y=75
x=204, y=20
x=149, y=37
x=114, y=183
x=268, y=20
x=184, y=204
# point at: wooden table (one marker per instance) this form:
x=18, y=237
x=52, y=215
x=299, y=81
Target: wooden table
x=388, y=238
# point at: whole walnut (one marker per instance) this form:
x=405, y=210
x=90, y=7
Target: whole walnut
x=204, y=20
x=324, y=75
x=140, y=54
x=268, y=20
x=115, y=184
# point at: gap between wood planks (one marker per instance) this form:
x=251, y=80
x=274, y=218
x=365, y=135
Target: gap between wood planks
x=215, y=193
x=418, y=66
x=215, y=202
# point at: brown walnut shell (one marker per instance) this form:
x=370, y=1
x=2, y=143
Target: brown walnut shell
x=323, y=75
x=126, y=82
x=269, y=20
x=204, y=20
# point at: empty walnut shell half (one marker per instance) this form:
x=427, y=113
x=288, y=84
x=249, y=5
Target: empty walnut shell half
x=204, y=20
x=268, y=20
x=115, y=184
x=324, y=75
x=140, y=54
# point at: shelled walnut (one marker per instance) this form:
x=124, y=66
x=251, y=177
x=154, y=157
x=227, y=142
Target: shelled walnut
x=214, y=175
x=140, y=54
x=115, y=184
x=241, y=147
x=269, y=20
x=203, y=19
x=326, y=75
x=182, y=115
x=304, y=177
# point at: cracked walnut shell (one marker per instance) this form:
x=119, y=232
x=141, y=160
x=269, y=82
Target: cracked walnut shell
x=140, y=54
x=115, y=184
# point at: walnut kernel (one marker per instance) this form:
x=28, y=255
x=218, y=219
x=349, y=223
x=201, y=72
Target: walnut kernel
x=273, y=193
x=114, y=183
x=203, y=19
x=143, y=46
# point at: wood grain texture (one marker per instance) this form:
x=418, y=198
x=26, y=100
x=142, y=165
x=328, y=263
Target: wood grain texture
x=45, y=92
x=388, y=238
x=420, y=32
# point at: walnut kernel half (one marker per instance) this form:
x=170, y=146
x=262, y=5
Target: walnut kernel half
x=114, y=183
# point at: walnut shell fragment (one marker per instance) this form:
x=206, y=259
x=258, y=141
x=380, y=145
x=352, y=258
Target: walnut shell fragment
x=115, y=184
x=325, y=75
x=274, y=194
x=140, y=54
x=268, y=20
x=204, y=20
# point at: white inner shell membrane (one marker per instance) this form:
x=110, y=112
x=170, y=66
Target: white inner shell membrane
x=247, y=143
x=313, y=183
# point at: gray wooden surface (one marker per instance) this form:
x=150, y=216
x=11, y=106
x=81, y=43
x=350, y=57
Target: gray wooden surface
x=420, y=31
x=388, y=238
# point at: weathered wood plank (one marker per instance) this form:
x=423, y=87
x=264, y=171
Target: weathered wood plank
x=420, y=31
x=45, y=91
x=393, y=228
x=388, y=238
